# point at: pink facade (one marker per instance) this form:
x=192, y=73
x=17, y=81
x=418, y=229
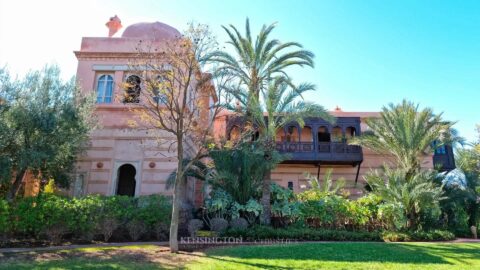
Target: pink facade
x=118, y=152
x=124, y=160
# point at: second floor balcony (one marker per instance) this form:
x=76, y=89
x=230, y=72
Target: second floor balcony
x=318, y=141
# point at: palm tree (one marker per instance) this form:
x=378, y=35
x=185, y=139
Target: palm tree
x=407, y=133
x=468, y=161
x=279, y=105
x=255, y=64
x=239, y=171
x=413, y=196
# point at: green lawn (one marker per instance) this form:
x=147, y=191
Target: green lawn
x=294, y=256
x=345, y=256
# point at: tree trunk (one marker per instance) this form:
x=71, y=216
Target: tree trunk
x=177, y=200
x=472, y=213
x=266, y=214
x=17, y=183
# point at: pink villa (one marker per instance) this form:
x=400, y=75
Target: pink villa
x=122, y=160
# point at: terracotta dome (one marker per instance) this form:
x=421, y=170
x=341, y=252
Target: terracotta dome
x=156, y=30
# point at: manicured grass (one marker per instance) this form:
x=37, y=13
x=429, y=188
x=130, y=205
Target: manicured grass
x=293, y=256
x=345, y=256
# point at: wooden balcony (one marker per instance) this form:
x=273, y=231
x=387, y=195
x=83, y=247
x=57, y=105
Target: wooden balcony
x=444, y=159
x=317, y=142
x=320, y=152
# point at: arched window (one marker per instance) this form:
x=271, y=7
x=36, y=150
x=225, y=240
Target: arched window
x=350, y=132
x=292, y=134
x=323, y=134
x=132, y=89
x=159, y=92
x=104, y=89
x=306, y=134
x=337, y=135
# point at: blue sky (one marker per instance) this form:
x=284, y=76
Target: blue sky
x=367, y=53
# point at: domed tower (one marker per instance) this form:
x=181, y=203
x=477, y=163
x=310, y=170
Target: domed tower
x=120, y=159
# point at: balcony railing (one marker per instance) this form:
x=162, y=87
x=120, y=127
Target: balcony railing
x=321, y=152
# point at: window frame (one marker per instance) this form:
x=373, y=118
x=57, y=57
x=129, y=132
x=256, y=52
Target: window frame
x=102, y=99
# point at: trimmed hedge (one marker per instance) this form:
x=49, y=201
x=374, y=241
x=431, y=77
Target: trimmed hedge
x=434, y=235
x=310, y=234
x=302, y=234
x=53, y=217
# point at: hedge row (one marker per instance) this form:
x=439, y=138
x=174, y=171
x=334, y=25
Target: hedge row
x=54, y=217
x=310, y=234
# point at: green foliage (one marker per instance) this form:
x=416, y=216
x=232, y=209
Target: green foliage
x=405, y=132
x=284, y=205
x=330, y=212
x=255, y=63
x=4, y=217
x=55, y=216
x=319, y=190
x=44, y=124
x=416, y=196
x=279, y=193
x=219, y=203
x=152, y=210
x=252, y=210
x=238, y=171
x=307, y=234
x=434, y=235
x=50, y=187
x=465, y=195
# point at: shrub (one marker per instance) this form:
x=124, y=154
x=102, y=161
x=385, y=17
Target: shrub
x=252, y=210
x=50, y=187
x=417, y=195
x=107, y=226
x=330, y=211
x=218, y=224
x=434, y=235
x=153, y=209
x=320, y=190
x=193, y=226
x=113, y=212
x=301, y=234
x=239, y=224
x=162, y=231
x=86, y=219
x=136, y=228
x=218, y=204
x=26, y=217
x=5, y=225
x=390, y=236
x=285, y=209
x=55, y=216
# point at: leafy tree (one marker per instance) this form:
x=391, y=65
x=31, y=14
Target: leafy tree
x=180, y=99
x=406, y=133
x=44, y=124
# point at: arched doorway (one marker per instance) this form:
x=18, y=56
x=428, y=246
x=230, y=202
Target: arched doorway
x=126, y=180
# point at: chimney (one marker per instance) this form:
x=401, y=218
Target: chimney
x=113, y=25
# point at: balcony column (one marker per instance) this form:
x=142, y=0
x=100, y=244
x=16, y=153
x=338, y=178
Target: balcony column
x=315, y=140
